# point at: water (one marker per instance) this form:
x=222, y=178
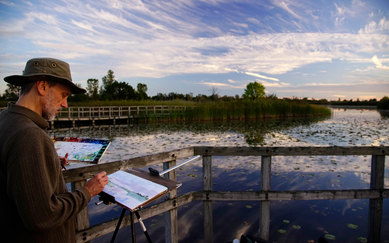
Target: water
x=291, y=221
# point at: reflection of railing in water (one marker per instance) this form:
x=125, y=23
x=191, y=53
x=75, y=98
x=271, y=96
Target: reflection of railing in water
x=376, y=193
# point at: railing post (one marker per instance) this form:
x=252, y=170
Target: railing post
x=82, y=218
x=264, y=221
x=376, y=205
x=171, y=219
x=207, y=204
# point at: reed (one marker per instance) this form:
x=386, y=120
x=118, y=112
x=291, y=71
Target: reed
x=259, y=109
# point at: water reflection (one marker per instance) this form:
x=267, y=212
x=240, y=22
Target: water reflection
x=291, y=221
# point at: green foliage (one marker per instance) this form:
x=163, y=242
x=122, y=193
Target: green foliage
x=383, y=104
x=11, y=93
x=93, y=87
x=254, y=91
x=258, y=109
x=142, y=91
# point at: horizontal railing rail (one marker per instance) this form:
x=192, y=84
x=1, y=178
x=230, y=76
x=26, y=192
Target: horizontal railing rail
x=111, y=112
x=264, y=194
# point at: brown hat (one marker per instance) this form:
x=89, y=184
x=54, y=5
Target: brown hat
x=54, y=69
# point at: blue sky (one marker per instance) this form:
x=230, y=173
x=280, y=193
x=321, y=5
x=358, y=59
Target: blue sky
x=315, y=49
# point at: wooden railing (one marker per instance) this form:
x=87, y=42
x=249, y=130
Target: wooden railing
x=116, y=112
x=264, y=194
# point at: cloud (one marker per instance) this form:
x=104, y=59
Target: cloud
x=378, y=63
x=261, y=76
x=222, y=85
x=376, y=27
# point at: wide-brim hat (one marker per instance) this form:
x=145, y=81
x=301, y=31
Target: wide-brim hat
x=49, y=68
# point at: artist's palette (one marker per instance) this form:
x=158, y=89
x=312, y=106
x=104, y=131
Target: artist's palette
x=81, y=149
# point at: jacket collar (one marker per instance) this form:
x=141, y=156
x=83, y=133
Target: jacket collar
x=35, y=117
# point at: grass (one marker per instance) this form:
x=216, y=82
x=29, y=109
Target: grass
x=247, y=110
x=224, y=110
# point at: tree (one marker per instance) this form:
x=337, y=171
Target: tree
x=141, y=91
x=93, y=87
x=108, y=80
x=214, y=96
x=254, y=91
x=384, y=103
x=12, y=92
x=118, y=91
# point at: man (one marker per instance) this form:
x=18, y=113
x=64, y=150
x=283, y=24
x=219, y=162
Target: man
x=35, y=204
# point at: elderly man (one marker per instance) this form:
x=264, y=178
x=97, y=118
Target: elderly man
x=35, y=204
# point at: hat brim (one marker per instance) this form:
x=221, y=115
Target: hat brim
x=20, y=80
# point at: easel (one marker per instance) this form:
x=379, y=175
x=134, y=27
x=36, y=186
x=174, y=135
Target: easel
x=132, y=226
x=106, y=199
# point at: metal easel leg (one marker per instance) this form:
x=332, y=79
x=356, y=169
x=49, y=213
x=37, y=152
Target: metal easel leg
x=118, y=225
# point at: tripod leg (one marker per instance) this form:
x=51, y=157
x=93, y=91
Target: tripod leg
x=132, y=227
x=143, y=226
x=118, y=225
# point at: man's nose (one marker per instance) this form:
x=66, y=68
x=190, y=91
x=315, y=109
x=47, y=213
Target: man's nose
x=64, y=103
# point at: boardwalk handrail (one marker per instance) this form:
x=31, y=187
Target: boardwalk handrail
x=376, y=193
x=110, y=112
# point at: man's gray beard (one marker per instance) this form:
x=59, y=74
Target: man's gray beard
x=46, y=114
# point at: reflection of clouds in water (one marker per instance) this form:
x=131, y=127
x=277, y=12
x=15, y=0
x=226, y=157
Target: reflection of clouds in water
x=345, y=128
x=359, y=165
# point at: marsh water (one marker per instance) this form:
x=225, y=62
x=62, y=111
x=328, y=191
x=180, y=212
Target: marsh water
x=291, y=221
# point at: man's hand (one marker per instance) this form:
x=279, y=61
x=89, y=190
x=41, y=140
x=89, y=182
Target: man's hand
x=64, y=161
x=97, y=183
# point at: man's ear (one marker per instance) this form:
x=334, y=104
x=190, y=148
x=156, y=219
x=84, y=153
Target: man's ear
x=42, y=87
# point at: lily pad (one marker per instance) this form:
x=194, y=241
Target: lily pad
x=329, y=237
x=362, y=239
x=352, y=226
x=297, y=227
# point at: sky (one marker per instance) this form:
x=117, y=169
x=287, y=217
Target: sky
x=295, y=48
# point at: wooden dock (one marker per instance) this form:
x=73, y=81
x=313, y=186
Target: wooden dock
x=90, y=115
x=264, y=194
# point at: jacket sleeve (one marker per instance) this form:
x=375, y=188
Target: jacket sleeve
x=35, y=182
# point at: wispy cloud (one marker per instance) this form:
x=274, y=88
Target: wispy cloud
x=261, y=76
x=163, y=38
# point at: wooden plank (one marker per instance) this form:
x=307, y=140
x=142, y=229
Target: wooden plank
x=291, y=151
x=207, y=173
x=86, y=172
x=207, y=204
x=291, y=195
x=82, y=218
x=265, y=173
x=264, y=219
x=171, y=217
x=376, y=205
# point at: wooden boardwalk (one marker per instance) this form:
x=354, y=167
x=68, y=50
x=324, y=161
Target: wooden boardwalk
x=264, y=194
x=75, y=115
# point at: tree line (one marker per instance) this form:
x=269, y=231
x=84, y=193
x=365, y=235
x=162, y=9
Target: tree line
x=111, y=89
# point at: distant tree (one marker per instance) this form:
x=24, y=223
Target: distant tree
x=254, y=91
x=384, y=103
x=93, y=87
x=214, y=96
x=160, y=96
x=108, y=80
x=141, y=91
x=119, y=91
x=11, y=93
